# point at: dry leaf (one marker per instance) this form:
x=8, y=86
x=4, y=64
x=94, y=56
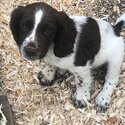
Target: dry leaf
x=112, y=120
x=17, y=92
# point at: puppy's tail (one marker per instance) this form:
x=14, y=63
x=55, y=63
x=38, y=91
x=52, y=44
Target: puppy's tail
x=119, y=24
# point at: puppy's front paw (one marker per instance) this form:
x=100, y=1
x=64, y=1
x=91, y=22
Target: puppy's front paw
x=102, y=102
x=80, y=98
x=44, y=81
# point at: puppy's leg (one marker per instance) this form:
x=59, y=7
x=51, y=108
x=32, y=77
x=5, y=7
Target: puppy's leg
x=47, y=75
x=111, y=80
x=61, y=72
x=83, y=81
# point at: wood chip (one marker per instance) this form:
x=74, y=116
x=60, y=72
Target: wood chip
x=36, y=105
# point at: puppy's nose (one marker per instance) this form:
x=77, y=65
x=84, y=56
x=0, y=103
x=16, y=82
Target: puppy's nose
x=31, y=49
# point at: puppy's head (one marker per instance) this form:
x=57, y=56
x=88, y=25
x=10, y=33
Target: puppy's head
x=34, y=28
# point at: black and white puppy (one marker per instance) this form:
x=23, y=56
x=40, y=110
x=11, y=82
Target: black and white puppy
x=73, y=43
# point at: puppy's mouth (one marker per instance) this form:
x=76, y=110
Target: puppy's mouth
x=31, y=54
x=31, y=57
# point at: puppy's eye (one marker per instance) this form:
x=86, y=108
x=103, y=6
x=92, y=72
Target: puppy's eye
x=47, y=31
x=25, y=28
x=26, y=25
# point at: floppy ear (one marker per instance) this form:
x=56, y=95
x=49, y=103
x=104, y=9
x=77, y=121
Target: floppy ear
x=65, y=37
x=14, y=22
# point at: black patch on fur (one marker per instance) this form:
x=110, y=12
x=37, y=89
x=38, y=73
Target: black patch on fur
x=65, y=37
x=14, y=22
x=118, y=28
x=88, y=44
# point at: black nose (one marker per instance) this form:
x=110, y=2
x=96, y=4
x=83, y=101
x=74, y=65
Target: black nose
x=31, y=49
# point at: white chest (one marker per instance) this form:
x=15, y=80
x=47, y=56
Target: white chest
x=64, y=63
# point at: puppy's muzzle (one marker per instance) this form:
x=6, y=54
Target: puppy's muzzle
x=31, y=49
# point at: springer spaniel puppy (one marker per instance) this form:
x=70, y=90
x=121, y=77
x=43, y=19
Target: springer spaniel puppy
x=73, y=43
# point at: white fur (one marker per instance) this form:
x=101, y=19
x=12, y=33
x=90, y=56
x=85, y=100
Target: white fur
x=115, y=59
x=80, y=20
x=49, y=72
x=82, y=88
x=63, y=63
x=38, y=18
x=3, y=119
x=121, y=18
x=109, y=43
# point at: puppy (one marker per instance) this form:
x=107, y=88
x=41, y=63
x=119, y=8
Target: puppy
x=73, y=43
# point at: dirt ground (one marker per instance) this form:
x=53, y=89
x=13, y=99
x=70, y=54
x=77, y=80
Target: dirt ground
x=36, y=105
